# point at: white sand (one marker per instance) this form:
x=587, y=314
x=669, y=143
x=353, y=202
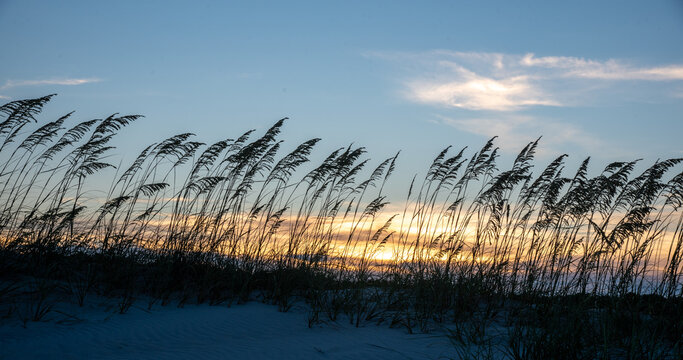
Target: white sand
x=251, y=331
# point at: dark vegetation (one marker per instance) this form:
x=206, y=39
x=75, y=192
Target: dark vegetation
x=515, y=264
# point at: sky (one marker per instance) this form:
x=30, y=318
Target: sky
x=603, y=79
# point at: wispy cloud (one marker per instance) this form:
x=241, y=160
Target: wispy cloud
x=56, y=81
x=515, y=131
x=499, y=92
x=511, y=82
x=469, y=90
x=606, y=70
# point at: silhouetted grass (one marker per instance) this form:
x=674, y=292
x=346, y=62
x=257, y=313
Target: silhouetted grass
x=568, y=266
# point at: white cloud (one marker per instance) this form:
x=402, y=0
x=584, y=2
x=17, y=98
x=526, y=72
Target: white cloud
x=606, y=70
x=510, y=82
x=63, y=81
x=497, y=90
x=471, y=91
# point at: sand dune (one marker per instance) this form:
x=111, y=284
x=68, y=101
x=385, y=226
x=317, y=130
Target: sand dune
x=251, y=331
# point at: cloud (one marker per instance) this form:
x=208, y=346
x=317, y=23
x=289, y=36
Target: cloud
x=471, y=91
x=63, y=81
x=515, y=131
x=607, y=70
x=513, y=82
x=499, y=93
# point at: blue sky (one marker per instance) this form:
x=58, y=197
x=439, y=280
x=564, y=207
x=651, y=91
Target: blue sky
x=594, y=78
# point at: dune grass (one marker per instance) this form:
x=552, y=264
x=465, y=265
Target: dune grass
x=523, y=264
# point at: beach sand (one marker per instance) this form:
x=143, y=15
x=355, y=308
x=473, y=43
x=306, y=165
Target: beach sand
x=250, y=331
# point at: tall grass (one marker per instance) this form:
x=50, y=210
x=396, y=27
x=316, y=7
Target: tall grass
x=579, y=266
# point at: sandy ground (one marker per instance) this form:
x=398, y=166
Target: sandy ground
x=251, y=331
